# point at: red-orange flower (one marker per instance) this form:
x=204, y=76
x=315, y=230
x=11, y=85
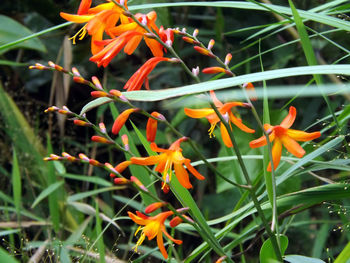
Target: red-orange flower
x=166, y=160
x=225, y=110
x=141, y=75
x=112, y=48
x=98, y=20
x=147, y=20
x=282, y=135
x=153, y=226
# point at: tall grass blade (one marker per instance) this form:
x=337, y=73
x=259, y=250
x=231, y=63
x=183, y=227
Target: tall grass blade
x=16, y=185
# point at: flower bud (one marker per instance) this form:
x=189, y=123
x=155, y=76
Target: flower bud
x=97, y=83
x=82, y=123
x=211, y=44
x=100, y=139
x=228, y=59
x=153, y=207
x=204, y=51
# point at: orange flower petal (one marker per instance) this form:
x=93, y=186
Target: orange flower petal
x=160, y=244
x=302, y=136
x=239, y=124
x=84, y=7
x=155, y=47
x=182, y=176
x=215, y=99
x=193, y=170
x=137, y=219
x=155, y=148
x=292, y=146
x=132, y=44
x=290, y=118
x=198, y=113
x=176, y=241
x=151, y=160
x=276, y=154
x=76, y=18
x=225, y=136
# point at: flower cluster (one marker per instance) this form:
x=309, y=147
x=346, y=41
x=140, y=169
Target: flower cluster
x=125, y=32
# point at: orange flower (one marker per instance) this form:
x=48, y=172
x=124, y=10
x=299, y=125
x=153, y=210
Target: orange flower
x=112, y=48
x=225, y=110
x=153, y=226
x=165, y=162
x=282, y=135
x=147, y=20
x=98, y=20
x=141, y=75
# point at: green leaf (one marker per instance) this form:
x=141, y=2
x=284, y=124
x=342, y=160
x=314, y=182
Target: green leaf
x=27, y=38
x=143, y=140
x=79, y=196
x=321, y=18
x=267, y=253
x=5, y=257
x=16, y=184
x=302, y=259
x=344, y=256
x=156, y=95
x=99, y=236
x=90, y=179
x=12, y=63
x=95, y=103
x=53, y=197
x=23, y=138
x=11, y=30
x=47, y=192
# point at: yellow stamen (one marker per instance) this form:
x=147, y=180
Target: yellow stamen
x=81, y=34
x=139, y=242
x=211, y=130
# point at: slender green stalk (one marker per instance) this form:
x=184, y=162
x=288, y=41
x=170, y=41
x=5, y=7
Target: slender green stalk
x=252, y=190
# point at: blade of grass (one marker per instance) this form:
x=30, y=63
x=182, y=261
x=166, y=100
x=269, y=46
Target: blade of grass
x=100, y=243
x=46, y=192
x=156, y=95
x=53, y=197
x=16, y=185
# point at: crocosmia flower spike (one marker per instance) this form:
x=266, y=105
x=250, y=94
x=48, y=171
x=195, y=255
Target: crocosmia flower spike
x=166, y=160
x=225, y=110
x=151, y=227
x=282, y=135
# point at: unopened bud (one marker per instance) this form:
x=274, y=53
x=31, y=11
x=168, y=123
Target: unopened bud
x=190, y=40
x=82, y=123
x=83, y=157
x=98, y=94
x=211, y=44
x=138, y=183
x=51, y=109
x=153, y=207
x=121, y=181
x=228, y=59
x=69, y=157
x=195, y=33
x=95, y=163
x=101, y=139
x=76, y=72
x=125, y=141
x=195, y=71
x=102, y=127
x=97, y=83
x=204, y=51
x=81, y=80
